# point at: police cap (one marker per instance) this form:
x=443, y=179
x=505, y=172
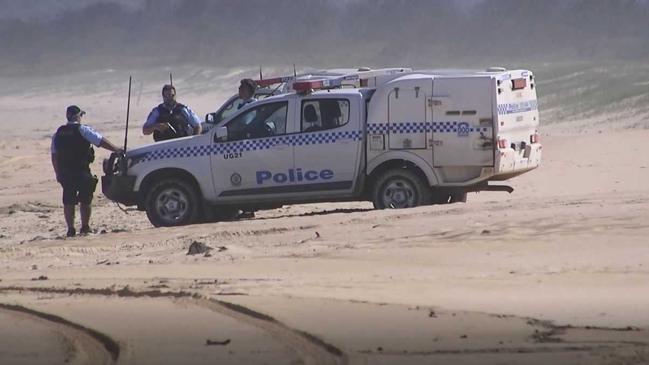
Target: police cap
x=73, y=111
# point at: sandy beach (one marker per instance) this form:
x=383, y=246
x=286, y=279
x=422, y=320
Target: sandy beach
x=556, y=272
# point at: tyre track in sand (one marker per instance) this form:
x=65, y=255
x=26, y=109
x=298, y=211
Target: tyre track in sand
x=88, y=345
x=309, y=348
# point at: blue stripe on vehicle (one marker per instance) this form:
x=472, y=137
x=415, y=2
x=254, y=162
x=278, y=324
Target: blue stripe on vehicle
x=303, y=139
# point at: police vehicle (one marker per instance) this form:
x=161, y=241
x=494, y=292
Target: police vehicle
x=411, y=138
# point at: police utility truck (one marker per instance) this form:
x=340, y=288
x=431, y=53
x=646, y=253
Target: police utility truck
x=396, y=137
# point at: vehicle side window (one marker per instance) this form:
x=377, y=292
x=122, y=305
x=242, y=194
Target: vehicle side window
x=265, y=120
x=322, y=114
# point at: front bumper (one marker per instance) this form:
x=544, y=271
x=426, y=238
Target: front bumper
x=119, y=189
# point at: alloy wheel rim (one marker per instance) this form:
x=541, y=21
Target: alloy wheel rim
x=171, y=205
x=399, y=193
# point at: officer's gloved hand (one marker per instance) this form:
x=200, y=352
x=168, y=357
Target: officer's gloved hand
x=161, y=127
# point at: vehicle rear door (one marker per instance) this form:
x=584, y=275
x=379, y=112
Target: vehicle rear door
x=463, y=121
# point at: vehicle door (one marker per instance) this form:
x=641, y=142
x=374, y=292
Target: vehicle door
x=255, y=160
x=463, y=121
x=328, y=145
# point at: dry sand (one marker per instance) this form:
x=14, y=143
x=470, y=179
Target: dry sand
x=556, y=272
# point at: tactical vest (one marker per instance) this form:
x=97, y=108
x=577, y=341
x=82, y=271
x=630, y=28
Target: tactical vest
x=72, y=150
x=175, y=118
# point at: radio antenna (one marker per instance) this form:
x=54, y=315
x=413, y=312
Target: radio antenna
x=128, y=110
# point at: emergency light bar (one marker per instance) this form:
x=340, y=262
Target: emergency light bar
x=332, y=82
x=283, y=79
x=303, y=86
x=274, y=80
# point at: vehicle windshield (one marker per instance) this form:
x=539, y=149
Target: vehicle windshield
x=232, y=105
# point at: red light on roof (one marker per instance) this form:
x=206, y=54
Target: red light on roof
x=518, y=84
x=302, y=86
x=272, y=81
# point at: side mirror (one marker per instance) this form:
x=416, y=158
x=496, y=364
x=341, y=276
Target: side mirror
x=221, y=134
x=209, y=118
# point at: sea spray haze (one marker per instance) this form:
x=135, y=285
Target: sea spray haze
x=54, y=36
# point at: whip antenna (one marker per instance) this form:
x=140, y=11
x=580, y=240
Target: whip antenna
x=128, y=110
x=171, y=79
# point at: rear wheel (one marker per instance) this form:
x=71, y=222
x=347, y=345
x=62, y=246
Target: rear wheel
x=400, y=188
x=172, y=202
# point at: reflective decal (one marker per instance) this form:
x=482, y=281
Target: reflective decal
x=293, y=175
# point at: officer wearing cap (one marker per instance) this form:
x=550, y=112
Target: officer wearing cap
x=71, y=157
x=171, y=119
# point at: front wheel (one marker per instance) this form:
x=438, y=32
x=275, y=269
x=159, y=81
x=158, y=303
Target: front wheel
x=400, y=188
x=172, y=202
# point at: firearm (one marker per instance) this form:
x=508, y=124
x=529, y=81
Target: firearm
x=172, y=128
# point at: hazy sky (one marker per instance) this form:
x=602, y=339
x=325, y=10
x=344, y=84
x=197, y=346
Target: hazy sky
x=47, y=9
x=66, y=35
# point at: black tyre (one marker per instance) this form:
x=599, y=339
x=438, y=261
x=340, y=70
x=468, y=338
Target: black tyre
x=400, y=188
x=172, y=202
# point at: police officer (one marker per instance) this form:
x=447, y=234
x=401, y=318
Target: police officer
x=247, y=92
x=71, y=158
x=171, y=119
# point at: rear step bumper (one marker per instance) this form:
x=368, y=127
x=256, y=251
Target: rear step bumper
x=446, y=192
x=487, y=187
x=506, y=188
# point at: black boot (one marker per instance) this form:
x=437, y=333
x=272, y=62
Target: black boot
x=85, y=230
